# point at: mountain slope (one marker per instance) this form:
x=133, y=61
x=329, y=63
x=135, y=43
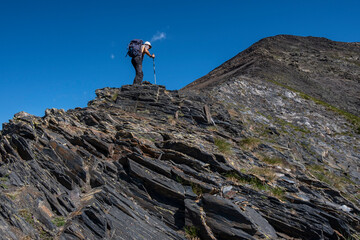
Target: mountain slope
x=141, y=162
x=321, y=68
x=243, y=158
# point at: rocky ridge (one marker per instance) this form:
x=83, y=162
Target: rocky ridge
x=240, y=161
x=323, y=69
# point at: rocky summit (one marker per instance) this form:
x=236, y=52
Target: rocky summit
x=238, y=158
x=326, y=70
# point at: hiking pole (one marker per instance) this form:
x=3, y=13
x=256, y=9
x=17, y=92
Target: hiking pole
x=154, y=70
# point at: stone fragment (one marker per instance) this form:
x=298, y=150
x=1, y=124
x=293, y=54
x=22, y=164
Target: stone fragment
x=197, y=154
x=226, y=220
x=22, y=147
x=158, y=183
x=74, y=162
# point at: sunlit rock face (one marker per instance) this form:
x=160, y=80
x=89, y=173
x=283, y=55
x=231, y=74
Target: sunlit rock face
x=321, y=68
x=237, y=157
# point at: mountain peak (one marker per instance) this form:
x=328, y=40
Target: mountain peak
x=244, y=159
x=321, y=68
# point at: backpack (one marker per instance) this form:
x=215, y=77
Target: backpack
x=134, y=47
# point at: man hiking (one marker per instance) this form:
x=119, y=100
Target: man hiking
x=137, y=50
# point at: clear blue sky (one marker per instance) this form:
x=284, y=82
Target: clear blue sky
x=56, y=53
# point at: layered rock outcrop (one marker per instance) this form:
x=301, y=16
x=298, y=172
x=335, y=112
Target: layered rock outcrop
x=142, y=162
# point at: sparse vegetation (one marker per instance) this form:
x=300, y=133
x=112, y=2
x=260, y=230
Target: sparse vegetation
x=354, y=120
x=284, y=123
x=357, y=196
x=278, y=192
x=307, y=147
x=355, y=236
x=236, y=177
x=257, y=183
x=45, y=235
x=196, y=189
x=222, y=145
x=180, y=180
x=59, y=221
x=254, y=182
x=233, y=113
x=27, y=216
x=146, y=137
x=212, y=128
x=114, y=97
x=171, y=120
x=192, y=232
x=250, y=143
x=267, y=173
x=324, y=175
x=274, y=161
x=354, y=198
x=4, y=179
x=11, y=196
x=145, y=111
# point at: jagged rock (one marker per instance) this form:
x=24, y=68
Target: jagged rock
x=272, y=59
x=157, y=182
x=197, y=154
x=227, y=221
x=244, y=159
x=22, y=147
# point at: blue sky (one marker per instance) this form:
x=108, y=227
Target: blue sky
x=55, y=54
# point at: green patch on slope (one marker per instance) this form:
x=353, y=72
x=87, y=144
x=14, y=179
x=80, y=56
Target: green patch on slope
x=192, y=232
x=59, y=221
x=256, y=183
x=222, y=145
x=324, y=175
x=354, y=120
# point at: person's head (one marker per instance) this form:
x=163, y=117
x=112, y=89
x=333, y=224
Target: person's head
x=147, y=43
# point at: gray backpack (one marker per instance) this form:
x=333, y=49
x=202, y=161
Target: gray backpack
x=134, y=47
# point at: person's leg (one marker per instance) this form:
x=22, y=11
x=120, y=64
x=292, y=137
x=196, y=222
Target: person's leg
x=137, y=63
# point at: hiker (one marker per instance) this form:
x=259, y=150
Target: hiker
x=137, y=50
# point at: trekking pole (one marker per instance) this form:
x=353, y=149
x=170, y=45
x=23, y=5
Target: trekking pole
x=154, y=70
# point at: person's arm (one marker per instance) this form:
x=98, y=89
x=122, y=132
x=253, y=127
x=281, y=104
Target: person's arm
x=148, y=53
